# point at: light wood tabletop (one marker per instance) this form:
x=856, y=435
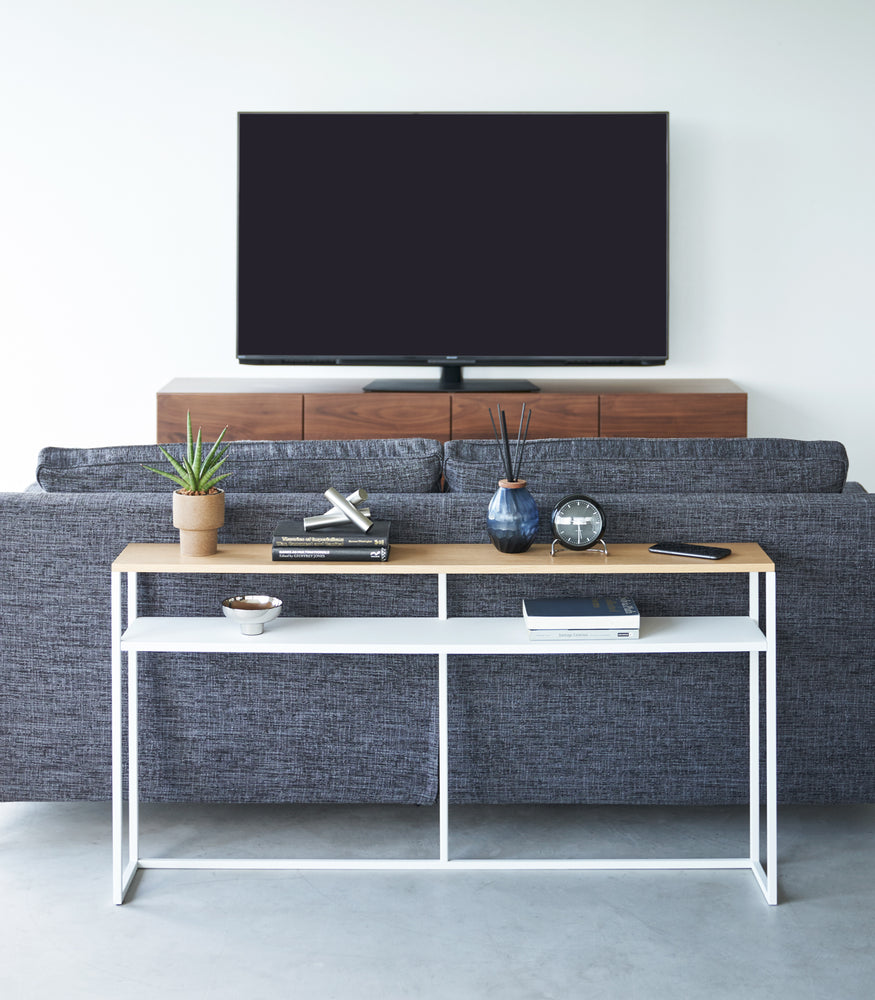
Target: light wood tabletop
x=746, y=557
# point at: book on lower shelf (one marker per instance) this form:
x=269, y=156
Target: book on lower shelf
x=331, y=553
x=291, y=534
x=586, y=634
x=581, y=618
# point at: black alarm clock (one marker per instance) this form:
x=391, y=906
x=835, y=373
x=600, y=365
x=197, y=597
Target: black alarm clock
x=577, y=522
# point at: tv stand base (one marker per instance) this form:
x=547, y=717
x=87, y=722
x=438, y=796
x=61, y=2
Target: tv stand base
x=466, y=385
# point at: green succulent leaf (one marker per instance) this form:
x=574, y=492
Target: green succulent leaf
x=196, y=463
x=212, y=482
x=196, y=473
x=213, y=456
x=180, y=469
x=168, y=475
x=189, y=448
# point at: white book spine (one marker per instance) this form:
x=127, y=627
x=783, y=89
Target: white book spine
x=554, y=634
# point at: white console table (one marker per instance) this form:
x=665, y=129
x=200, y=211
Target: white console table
x=443, y=637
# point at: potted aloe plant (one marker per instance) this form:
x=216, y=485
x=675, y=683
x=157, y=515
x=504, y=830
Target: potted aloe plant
x=198, y=503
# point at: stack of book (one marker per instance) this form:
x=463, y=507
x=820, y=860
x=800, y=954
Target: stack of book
x=581, y=618
x=344, y=543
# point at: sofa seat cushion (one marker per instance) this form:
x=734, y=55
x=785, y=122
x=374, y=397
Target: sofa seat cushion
x=556, y=466
x=404, y=465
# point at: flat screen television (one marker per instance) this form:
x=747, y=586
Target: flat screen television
x=453, y=240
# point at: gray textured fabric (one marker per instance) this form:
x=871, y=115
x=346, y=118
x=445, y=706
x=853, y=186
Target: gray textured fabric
x=405, y=465
x=658, y=465
x=547, y=728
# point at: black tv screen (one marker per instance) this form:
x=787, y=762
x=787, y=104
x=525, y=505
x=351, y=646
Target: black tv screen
x=453, y=239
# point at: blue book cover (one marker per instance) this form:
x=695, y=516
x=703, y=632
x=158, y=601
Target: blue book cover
x=581, y=612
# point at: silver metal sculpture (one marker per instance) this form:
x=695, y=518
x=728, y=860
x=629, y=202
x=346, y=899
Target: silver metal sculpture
x=342, y=510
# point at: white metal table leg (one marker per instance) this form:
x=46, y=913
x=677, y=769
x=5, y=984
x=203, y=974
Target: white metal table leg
x=443, y=759
x=443, y=735
x=133, y=737
x=768, y=877
x=123, y=874
x=754, y=702
x=117, y=777
x=771, y=743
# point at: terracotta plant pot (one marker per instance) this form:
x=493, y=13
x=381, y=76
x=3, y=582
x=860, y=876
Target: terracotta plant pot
x=198, y=519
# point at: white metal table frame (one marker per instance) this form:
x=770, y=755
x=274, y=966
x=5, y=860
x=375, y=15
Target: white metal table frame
x=444, y=637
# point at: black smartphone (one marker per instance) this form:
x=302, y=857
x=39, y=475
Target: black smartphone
x=686, y=549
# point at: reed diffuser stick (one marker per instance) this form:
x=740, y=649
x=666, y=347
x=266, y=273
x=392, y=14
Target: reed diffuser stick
x=507, y=471
x=508, y=464
x=502, y=439
x=519, y=430
x=521, y=446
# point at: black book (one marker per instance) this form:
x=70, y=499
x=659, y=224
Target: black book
x=330, y=553
x=292, y=533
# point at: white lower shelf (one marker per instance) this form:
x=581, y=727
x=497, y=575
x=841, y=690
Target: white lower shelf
x=435, y=864
x=431, y=636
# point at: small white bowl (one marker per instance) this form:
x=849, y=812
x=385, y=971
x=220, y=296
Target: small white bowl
x=252, y=611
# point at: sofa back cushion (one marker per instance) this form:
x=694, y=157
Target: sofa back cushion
x=557, y=466
x=404, y=465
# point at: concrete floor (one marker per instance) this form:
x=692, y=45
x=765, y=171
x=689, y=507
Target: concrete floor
x=363, y=935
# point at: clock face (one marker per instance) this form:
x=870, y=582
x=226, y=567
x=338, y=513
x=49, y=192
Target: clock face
x=578, y=522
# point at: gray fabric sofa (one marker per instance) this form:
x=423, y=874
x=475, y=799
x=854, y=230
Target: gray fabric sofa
x=545, y=728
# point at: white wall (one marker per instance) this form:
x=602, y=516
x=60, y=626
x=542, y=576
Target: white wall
x=117, y=145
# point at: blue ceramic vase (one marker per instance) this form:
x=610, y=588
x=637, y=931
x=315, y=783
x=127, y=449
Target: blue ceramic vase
x=512, y=519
